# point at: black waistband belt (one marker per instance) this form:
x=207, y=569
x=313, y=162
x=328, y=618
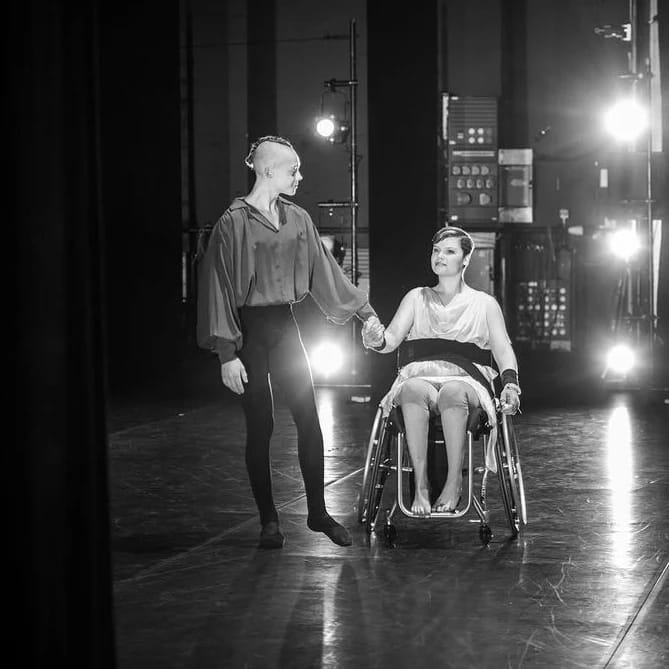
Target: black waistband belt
x=462, y=354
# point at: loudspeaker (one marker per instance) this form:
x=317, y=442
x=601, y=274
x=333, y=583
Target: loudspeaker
x=470, y=174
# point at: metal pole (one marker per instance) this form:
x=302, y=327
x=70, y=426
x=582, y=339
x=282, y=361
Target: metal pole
x=352, y=85
x=633, y=44
x=636, y=23
x=353, y=82
x=647, y=74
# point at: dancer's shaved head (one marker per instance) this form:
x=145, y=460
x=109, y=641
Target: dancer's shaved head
x=276, y=166
x=268, y=152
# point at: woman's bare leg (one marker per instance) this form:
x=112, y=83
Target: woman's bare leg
x=454, y=402
x=416, y=399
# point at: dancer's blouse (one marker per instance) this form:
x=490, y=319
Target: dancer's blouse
x=249, y=262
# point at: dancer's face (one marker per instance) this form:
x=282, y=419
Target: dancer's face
x=286, y=172
x=447, y=257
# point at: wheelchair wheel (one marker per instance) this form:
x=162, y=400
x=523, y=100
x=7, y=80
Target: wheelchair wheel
x=378, y=473
x=389, y=534
x=485, y=534
x=514, y=454
x=372, y=448
x=510, y=475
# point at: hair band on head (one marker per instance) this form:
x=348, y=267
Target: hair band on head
x=451, y=232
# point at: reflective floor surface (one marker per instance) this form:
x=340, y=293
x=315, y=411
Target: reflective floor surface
x=585, y=585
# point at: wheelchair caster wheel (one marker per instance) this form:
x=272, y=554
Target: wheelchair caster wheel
x=485, y=533
x=389, y=533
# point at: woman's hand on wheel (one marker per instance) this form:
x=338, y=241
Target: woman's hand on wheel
x=233, y=375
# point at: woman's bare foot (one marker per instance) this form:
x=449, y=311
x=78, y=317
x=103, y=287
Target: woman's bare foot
x=421, y=502
x=449, y=498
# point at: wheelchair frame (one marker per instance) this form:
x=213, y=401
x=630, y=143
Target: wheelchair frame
x=386, y=453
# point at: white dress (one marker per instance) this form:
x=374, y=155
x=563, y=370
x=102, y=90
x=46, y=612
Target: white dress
x=462, y=319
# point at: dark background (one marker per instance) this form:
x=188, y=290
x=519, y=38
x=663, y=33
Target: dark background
x=96, y=194
x=543, y=62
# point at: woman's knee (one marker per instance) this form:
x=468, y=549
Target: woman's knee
x=417, y=391
x=456, y=395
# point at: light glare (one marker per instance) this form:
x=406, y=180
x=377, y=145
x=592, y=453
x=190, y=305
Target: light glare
x=327, y=358
x=621, y=359
x=626, y=120
x=325, y=127
x=624, y=243
x=621, y=482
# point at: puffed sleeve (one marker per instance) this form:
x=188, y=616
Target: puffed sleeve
x=332, y=291
x=218, y=327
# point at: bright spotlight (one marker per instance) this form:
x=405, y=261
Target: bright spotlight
x=325, y=126
x=332, y=129
x=621, y=359
x=626, y=120
x=624, y=243
x=327, y=358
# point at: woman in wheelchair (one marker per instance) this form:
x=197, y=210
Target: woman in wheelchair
x=443, y=377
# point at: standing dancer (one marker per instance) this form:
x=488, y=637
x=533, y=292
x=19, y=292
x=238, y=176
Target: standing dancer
x=264, y=254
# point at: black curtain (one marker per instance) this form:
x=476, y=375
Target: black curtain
x=403, y=108
x=261, y=116
x=56, y=470
x=140, y=138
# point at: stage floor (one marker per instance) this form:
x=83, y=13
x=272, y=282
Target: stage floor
x=585, y=585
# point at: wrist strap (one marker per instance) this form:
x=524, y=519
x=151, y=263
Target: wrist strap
x=381, y=346
x=509, y=376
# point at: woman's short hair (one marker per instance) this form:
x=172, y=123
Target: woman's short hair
x=248, y=161
x=466, y=242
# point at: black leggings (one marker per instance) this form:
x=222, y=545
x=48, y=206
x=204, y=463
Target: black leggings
x=274, y=357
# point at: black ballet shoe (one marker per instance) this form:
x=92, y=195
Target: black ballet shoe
x=332, y=529
x=270, y=536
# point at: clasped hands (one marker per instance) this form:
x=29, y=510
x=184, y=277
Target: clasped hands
x=373, y=332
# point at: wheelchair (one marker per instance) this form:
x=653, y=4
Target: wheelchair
x=387, y=453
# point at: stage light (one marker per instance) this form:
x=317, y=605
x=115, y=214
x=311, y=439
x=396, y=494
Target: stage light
x=621, y=359
x=626, y=120
x=327, y=359
x=332, y=129
x=325, y=126
x=624, y=243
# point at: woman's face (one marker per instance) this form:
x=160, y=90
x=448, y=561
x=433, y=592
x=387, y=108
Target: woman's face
x=447, y=257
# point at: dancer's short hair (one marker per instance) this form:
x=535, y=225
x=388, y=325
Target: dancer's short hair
x=250, y=158
x=466, y=242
